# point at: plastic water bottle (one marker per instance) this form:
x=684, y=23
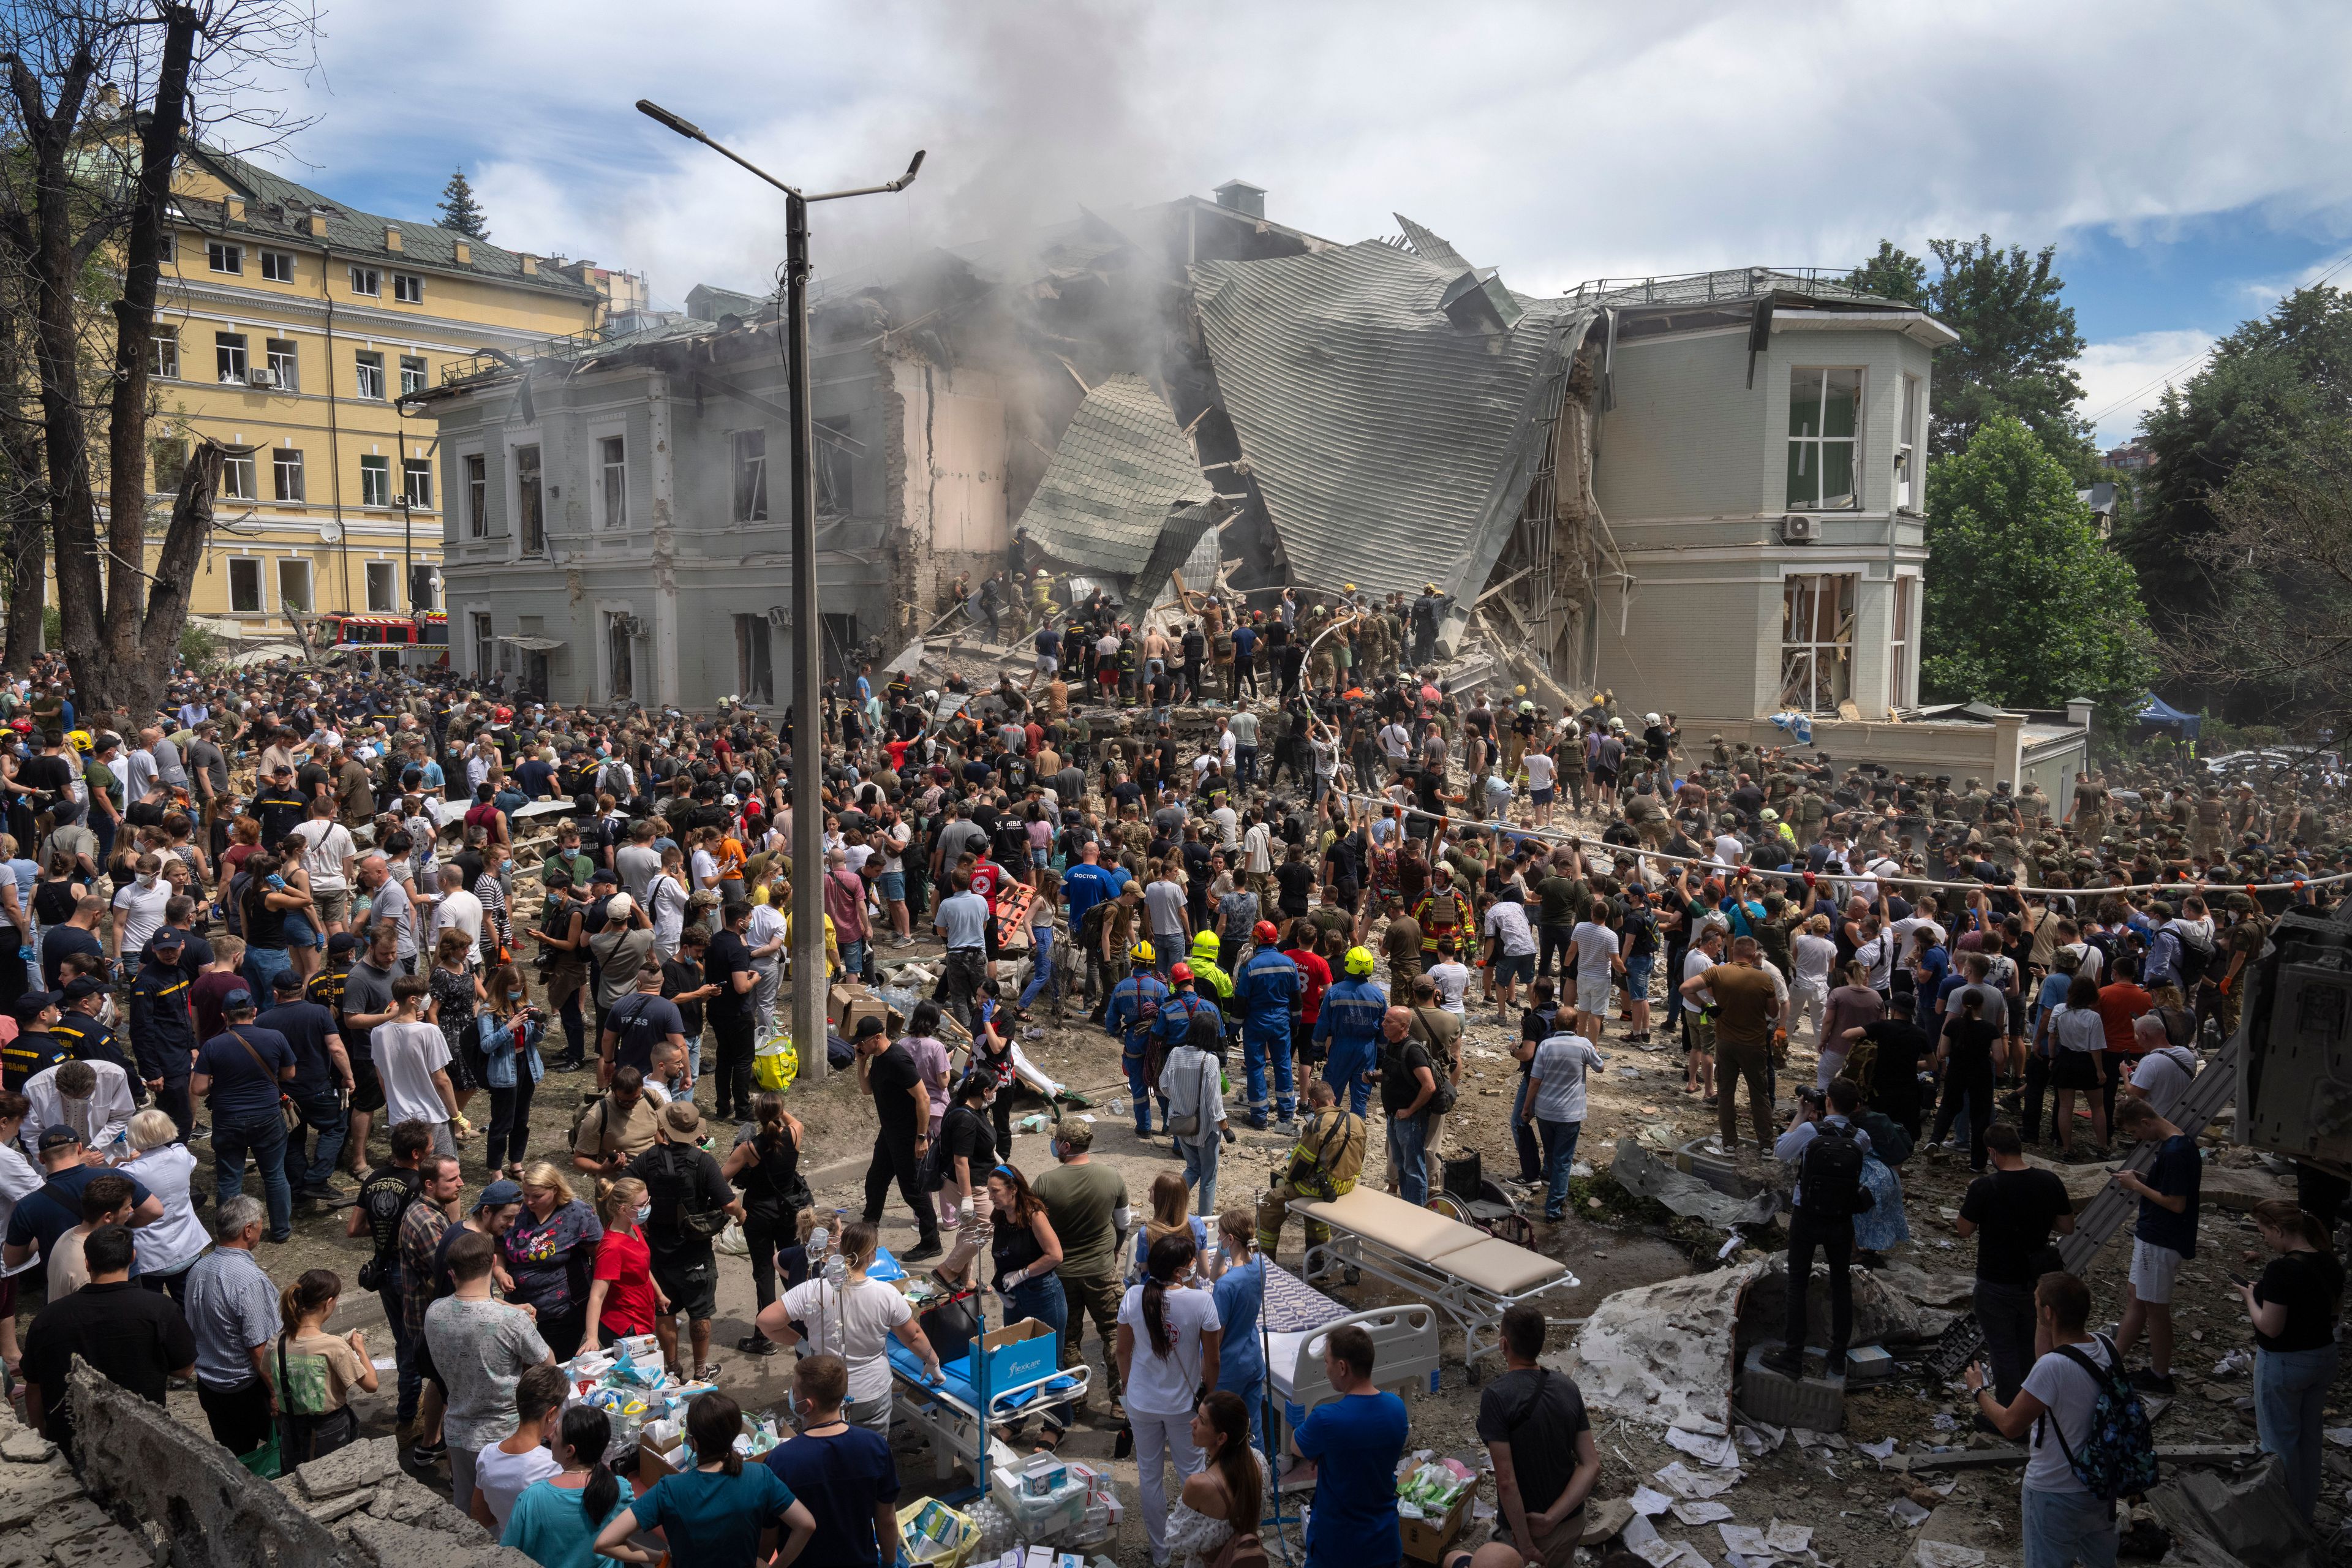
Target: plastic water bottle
x=1118, y=1106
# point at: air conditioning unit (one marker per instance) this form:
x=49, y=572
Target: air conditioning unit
x=780, y=618
x=1797, y=528
x=260, y=376
x=628, y=626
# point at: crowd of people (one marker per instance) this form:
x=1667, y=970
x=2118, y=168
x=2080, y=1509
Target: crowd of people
x=283, y=917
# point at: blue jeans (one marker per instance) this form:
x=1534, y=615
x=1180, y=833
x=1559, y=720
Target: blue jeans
x=404, y=1349
x=853, y=960
x=1259, y=1042
x=1043, y=937
x=1407, y=1163
x=1201, y=1168
x=321, y=1113
x=264, y=964
x=1559, y=1153
x=1523, y=1137
x=1344, y=1070
x=2063, y=1529
x=264, y=1138
x=1139, y=1088
x=2290, y=1403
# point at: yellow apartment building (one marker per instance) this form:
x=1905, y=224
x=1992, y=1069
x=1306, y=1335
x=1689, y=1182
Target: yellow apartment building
x=289, y=328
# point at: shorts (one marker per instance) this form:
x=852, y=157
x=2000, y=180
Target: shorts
x=2153, y=1268
x=2017, y=1017
x=299, y=933
x=367, y=1089
x=2076, y=1069
x=1604, y=778
x=1038, y=858
x=893, y=887
x=692, y=1288
x=1047, y=664
x=1592, y=991
x=1540, y=796
x=1637, y=976
x=335, y=907
x=1515, y=969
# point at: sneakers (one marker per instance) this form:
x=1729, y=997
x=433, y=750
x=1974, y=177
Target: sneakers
x=929, y=1246
x=756, y=1344
x=424, y=1456
x=2148, y=1380
x=1787, y=1363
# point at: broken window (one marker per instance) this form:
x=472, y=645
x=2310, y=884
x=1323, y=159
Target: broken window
x=1824, y=416
x=1907, y=448
x=375, y=480
x=755, y=672
x=1898, y=646
x=613, y=479
x=1817, y=641
x=531, y=509
x=833, y=455
x=750, y=476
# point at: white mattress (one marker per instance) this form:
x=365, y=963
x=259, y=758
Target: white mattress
x=1282, y=1357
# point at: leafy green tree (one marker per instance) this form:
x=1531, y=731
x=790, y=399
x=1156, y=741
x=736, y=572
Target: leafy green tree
x=2277, y=384
x=2017, y=342
x=2027, y=606
x=460, y=211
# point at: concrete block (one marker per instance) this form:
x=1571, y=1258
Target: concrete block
x=68, y=1520
x=26, y=1491
x=348, y=1469
x=333, y=1509
x=24, y=1448
x=113, y=1547
x=1817, y=1403
x=401, y=1498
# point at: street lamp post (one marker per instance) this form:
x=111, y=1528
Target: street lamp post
x=808, y=805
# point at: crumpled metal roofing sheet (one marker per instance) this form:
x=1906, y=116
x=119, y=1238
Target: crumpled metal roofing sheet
x=1118, y=469
x=1392, y=448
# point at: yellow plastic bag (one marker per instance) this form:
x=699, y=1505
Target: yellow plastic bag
x=935, y=1535
x=776, y=1064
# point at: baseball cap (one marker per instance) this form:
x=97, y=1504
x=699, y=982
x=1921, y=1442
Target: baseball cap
x=233, y=1000
x=683, y=1120
x=869, y=1025
x=30, y=1005
x=620, y=907
x=83, y=985
x=499, y=1195
x=1075, y=1133
x=343, y=942
x=285, y=982
x=57, y=1136
x=168, y=936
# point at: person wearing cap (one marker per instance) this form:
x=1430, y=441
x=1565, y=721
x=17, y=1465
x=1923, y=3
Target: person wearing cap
x=323, y=1078
x=689, y=1199
x=1270, y=991
x=242, y=1072
x=277, y=805
x=82, y=1031
x=163, y=1026
x=46, y=1213
x=34, y=1049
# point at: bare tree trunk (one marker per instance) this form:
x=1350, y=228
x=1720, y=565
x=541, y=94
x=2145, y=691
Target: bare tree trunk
x=27, y=573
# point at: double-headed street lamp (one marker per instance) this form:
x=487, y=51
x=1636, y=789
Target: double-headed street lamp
x=808, y=802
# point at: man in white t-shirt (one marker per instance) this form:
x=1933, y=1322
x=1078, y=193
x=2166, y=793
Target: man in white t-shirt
x=2062, y=1521
x=855, y=1319
x=2161, y=1075
x=1597, y=959
x=1512, y=958
x=459, y=909
x=1542, y=771
x=1555, y=1101
x=412, y=1060
x=331, y=859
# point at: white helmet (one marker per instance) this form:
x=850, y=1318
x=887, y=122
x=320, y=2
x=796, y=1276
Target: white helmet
x=1649, y=719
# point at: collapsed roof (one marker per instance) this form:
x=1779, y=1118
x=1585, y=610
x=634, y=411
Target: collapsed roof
x=1389, y=402
x=1118, y=469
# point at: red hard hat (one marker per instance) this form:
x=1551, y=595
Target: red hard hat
x=1180, y=972
x=1265, y=932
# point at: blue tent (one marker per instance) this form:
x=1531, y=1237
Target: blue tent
x=2161, y=715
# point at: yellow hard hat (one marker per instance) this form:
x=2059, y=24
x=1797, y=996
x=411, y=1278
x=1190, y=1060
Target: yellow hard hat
x=1141, y=952
x=1519, y=692
x=1346, y=587
x=1358, y=961
x=1205, y=944
x=79, y=739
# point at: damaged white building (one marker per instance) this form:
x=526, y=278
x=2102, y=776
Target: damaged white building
x=1704, y=493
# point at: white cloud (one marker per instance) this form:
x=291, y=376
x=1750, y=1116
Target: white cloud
x=2125, y=378
x=1559, y=142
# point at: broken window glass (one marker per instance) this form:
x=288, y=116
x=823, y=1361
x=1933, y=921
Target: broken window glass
x=1824, y=420
x=1817, y=641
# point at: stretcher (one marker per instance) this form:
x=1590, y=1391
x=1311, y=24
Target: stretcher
x=951, y=1414
x=1468, y=1275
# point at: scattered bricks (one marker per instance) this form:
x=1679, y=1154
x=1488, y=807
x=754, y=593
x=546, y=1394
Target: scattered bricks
x=348, y=1468
x=401, y=1498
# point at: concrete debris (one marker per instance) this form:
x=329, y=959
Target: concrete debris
x=1644, y=1176
x=1882, y=1313
x=1661, y=1355
x=2217, y=1523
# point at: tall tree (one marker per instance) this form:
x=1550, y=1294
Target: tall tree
x=99, y=95
x=2278, y=383
x=460, y=211
x=2026, y=605
x=2017, y=342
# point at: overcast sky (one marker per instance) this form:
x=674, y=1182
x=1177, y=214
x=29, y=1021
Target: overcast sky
x=2189, y=161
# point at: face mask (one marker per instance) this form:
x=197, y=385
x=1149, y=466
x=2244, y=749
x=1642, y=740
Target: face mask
x=645, y=1212
x=514, y=996
x=146, y=879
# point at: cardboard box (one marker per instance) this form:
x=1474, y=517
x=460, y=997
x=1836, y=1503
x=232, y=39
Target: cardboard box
x=1425, y=1539
x=1020, y=1353
x=847, y=1004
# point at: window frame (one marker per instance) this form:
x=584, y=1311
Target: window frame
x=158, y=448
x=309, y=605
x=749, y=503
x=1819, y=442
x=423, y=572
x=284, y=461
x=412, y=469
x=1908, y=486
x=238, y=482
x=231, y=349
x=260, y=586
x=478, y=494
x=833, y=462
x=412, y=366
x=613, y=479
x=755, y=666
x=216, y=251
x=284, y=358
x=366, y=365
x=367, y=281
x=1801, y=656
x=1901, y=606
x=482, y=632
x=408, y=287
x=163, y=353
x=375, y=479
x=530, y=497
x=390, y=572
x=277, y=266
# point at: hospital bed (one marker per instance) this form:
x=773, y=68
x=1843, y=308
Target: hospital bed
x=951, y=1414
x=1470, y=1276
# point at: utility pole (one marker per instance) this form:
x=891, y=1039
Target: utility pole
x=808, y=1013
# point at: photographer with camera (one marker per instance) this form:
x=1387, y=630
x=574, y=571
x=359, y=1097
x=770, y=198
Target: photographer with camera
x=511, y=1029
x=1827, y=1149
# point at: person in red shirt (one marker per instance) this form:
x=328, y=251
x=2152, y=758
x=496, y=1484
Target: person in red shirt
x=622, y=1298
x=2121, y=1003
x=1317, y=973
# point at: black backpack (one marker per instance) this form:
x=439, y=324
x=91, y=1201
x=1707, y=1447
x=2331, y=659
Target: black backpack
x=1831, y=1173
x=2195, y=959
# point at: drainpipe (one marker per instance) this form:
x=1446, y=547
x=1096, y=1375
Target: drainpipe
x=334, y=433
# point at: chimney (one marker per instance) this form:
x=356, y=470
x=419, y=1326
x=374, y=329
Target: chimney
x=391, y=237
x=1241, y=196
x=2078, y=712
x=465, y=254
x=235, y=206
x=530, y=265
x=317, y=224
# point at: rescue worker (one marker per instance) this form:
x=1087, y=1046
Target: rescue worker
x=1172, y=1026
x=1349, y=1028
x=1135, y=1004
x=1271, y=991
x=1444, y=914
x=1324, y=1163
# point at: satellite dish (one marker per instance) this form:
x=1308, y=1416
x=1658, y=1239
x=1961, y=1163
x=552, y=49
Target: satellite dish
x=330, y=532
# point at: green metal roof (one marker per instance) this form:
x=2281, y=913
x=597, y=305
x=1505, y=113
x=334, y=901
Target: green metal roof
x=1118, y=469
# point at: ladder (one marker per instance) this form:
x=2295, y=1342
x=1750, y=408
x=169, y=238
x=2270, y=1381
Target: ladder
x=2208, y=1092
